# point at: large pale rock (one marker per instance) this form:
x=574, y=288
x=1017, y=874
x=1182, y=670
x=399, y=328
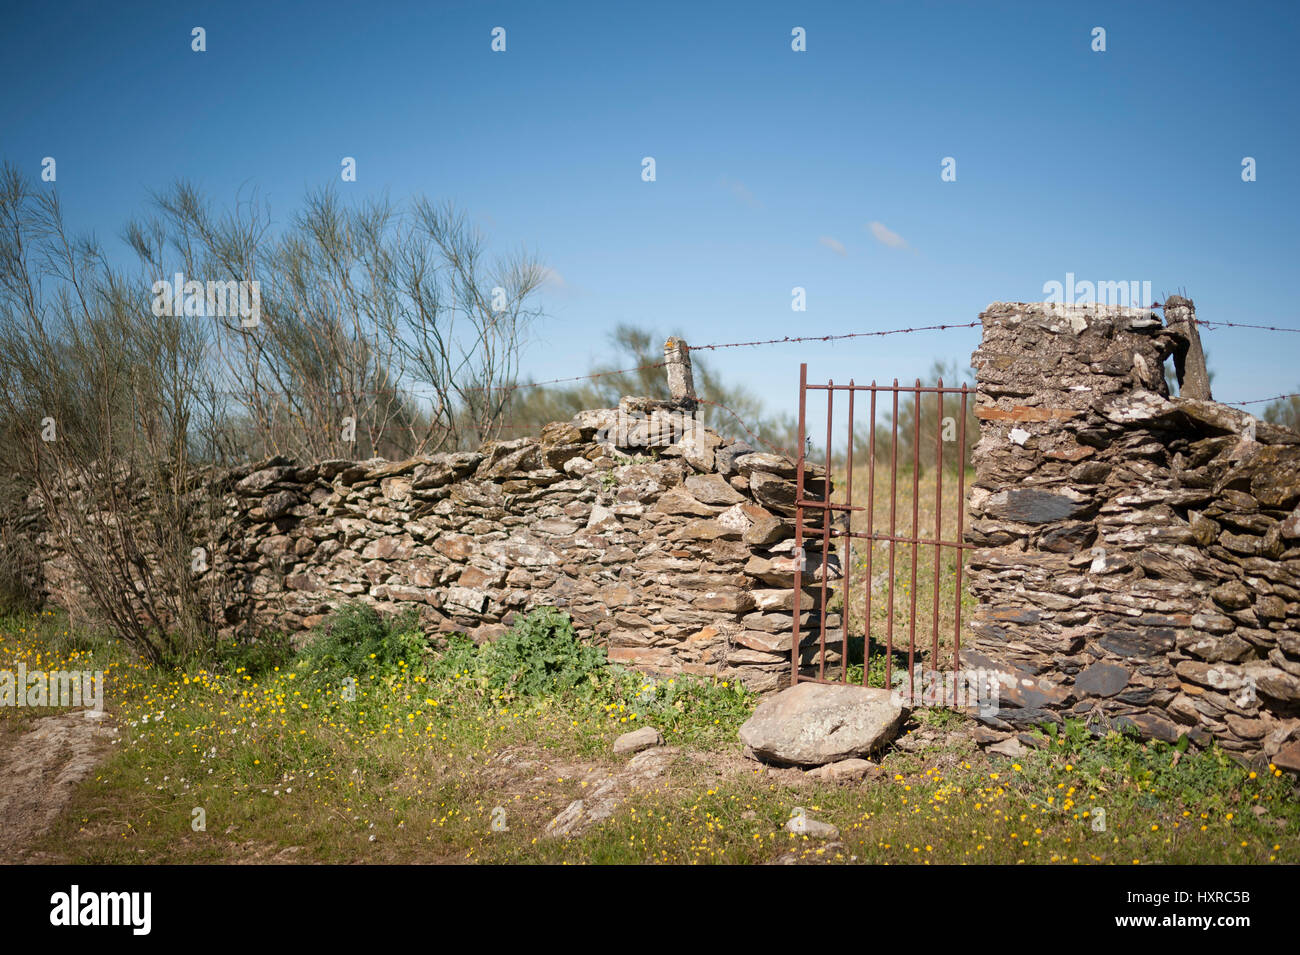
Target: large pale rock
x=1288, y=757
x=261, y=480
x=811, y=724
x=770, y=463
x=637, y=740
x=803, y=825
x=463, y=598
x=567, y=820
x=712, y=489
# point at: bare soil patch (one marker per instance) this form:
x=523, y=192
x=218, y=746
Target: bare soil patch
x=39, y=771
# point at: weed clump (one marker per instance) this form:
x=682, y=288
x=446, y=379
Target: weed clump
x=541, y=655
x=357, y=642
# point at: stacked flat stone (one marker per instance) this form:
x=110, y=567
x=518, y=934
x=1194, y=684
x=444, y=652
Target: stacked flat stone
x=1138, y=558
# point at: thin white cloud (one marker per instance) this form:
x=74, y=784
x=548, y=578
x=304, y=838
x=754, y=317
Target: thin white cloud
x=886, y=236
x=741, y=192
x=554, y=279
x=556, y=287
x=835, y=245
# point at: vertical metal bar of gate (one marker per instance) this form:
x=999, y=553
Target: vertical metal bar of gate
x=938, y=514
x=826, y=535
x=847, y=563
x=798, y=528
x=871, y=532
x=893, y=512
x=915, y=545
x=961, y=514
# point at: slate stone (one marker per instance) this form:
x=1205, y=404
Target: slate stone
x=1150, y=725
x=1091, y=472
x=1232, y=595
x=1015, y=615
x=1068, y=538
x=1138, y=696
x=1288, y=757
x=279, y=504
x=726, y=459
x=1101, y=679
x=1130, y=643
x=1032, y=506
x=1028, y=717
x=1291, y=526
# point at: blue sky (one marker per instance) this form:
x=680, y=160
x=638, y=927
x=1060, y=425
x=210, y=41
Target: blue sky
x=771, y=165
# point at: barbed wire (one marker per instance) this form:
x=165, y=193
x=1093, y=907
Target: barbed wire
x=1267, y=328
x=767, y=444
x=1260, y=401
x=716, y=346
x=832, y=338
x=464, y=388
x=598, y=374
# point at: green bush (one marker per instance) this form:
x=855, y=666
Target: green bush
x=541, y=654
x=357, y=641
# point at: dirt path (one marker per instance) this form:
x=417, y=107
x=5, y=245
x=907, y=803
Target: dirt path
x=39, y=770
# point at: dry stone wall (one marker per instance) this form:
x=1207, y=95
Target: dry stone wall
x=667, y=543
x=1138, y=556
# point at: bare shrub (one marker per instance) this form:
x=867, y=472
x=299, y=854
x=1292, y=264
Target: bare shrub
x=98, y=396
x=374, y=332
x=380, y=332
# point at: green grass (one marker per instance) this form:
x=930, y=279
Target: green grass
x=417, y=764
x=947, y=806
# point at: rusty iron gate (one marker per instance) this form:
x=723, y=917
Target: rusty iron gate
x=826, y=532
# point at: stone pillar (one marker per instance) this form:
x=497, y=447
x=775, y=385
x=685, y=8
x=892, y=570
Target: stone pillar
x=681, y=384
x=1056, y=397
x=1189, y=356
x=1135, y=562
